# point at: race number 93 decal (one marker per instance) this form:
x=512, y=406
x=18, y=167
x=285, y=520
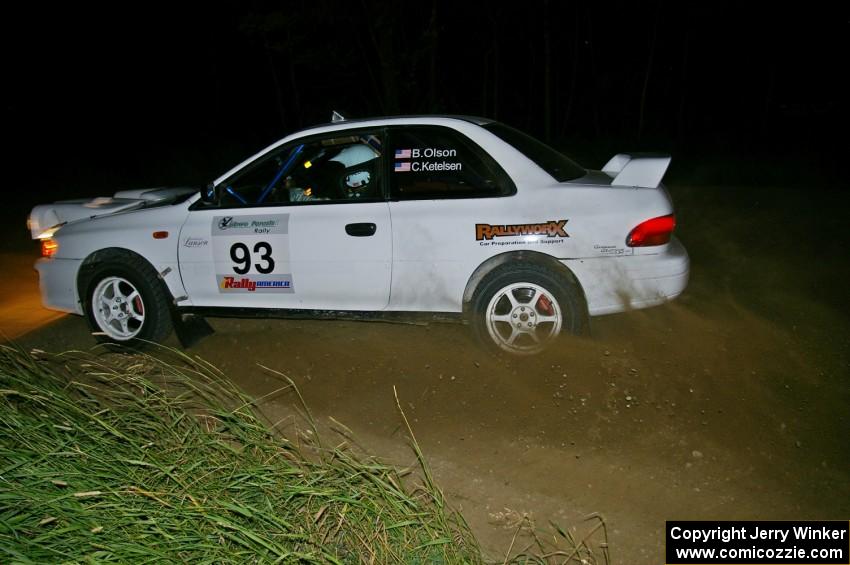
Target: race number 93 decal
x=252, y=253
x=242, y=258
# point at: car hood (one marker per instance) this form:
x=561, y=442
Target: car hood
x=45, y=216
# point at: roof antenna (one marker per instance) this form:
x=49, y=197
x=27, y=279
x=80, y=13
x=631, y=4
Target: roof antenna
x=337, y=117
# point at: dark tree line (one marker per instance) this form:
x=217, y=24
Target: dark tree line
x=179, y=90
x=563, y=69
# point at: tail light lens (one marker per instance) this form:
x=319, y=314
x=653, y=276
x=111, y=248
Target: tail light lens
x=49, y=247
x=656, y=231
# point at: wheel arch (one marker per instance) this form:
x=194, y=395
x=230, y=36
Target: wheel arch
x=91, y=262
x=513, y=257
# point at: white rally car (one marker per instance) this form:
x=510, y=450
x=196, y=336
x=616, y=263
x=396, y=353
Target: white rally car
x=380, y=217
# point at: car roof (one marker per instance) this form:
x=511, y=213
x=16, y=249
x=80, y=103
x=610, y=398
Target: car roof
x=344, y=122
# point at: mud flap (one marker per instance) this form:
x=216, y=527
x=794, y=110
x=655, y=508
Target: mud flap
x=190, y=329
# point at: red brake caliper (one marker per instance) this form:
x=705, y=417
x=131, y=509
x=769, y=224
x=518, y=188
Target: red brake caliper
x=138, y=304
x=544, y=305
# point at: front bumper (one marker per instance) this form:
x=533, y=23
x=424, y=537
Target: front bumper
x=57, y=280
x=618, y=284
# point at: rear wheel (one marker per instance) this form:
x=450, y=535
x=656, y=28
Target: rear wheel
x=127, y=304
x=523, y=309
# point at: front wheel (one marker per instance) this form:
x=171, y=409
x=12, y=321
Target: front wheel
x=521, y=310
x=127, y=305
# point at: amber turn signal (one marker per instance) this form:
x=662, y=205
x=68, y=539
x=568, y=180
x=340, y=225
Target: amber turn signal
x=49, y=247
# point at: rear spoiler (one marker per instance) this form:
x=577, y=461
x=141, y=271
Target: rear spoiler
x=643, y=170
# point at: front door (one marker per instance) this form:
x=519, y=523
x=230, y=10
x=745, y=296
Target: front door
x=306, y=226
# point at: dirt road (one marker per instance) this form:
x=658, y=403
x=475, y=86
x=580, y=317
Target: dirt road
x=730, y=403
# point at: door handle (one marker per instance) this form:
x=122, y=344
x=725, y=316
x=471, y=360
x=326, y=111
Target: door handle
x=361, y=230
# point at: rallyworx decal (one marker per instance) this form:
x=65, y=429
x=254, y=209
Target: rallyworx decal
x=260, y=224
x=425, y=166
x=552, y=232
x=551, y=228
x=255, y=283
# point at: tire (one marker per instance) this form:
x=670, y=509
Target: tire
x=126, y=303
x=522, y=309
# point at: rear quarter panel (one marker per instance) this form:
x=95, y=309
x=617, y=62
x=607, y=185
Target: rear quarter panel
x=438, y=244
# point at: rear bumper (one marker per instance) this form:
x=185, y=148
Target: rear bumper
x=626, y=283
x=57, y=280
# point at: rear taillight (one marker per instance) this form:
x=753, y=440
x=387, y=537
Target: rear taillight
x=656, y=231
x=49, y=247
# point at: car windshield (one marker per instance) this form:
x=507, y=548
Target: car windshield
x=558, y=165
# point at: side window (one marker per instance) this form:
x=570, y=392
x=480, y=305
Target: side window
x=436, y=162
x=343, y=168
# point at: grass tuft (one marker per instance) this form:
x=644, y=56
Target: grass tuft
x=138, y=459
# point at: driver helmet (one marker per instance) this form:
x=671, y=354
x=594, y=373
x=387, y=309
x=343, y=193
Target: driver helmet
x=354, y=155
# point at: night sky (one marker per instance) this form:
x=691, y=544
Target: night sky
x=97, y=99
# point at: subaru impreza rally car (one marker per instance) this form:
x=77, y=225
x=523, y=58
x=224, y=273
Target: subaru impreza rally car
x=438, y=214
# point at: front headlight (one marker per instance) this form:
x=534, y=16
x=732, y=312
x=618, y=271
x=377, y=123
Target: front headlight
x=48, y=233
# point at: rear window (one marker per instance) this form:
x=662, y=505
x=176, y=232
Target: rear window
x=561, y=167
x=432, y=163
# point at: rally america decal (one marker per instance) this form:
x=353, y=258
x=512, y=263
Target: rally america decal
x=419, y=166
x=255, y=283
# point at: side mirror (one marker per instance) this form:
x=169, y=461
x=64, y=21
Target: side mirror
x=209, y=194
